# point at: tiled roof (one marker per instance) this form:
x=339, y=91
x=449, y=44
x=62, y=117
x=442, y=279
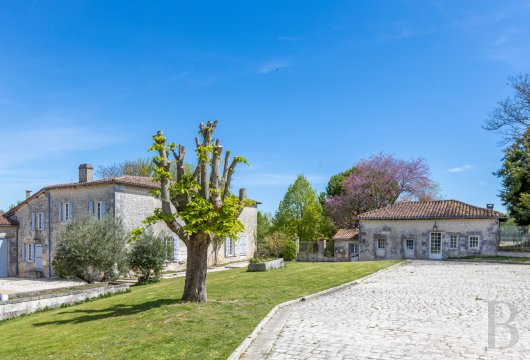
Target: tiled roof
x=346, y=234
x=441, y=209
x=5, y=221
x=142, y=181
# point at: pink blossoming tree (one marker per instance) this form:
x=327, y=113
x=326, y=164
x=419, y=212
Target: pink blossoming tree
x=380, y=181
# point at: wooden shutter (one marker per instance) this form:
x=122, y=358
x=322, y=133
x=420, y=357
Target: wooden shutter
x=91, y=208
x=243, y=244
x=60, y=211
x=71, y=207
x=42, y=221
x=227, y=247
x=23, y=251
x=103, y=208
x=32, y=221
x=176, y=248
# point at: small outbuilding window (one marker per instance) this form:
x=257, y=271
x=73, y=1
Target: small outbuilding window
x=410, y=244
x=473, y=242
x=453, y=242
x=380, y=243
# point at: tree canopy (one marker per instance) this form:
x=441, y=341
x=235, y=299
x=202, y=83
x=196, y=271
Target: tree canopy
x=515, y=175
x=511, y=117
x=379, y=181
x=300, y=213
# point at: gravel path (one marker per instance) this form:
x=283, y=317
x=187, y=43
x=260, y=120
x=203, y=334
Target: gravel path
x=18, y=285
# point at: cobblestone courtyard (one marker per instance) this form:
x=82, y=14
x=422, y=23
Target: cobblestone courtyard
x=420, y=310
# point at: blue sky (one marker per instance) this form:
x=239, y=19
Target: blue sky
x=298, y=87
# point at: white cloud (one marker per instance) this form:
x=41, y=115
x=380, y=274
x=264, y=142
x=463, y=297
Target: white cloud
x=273, y=65
x=461, y=169
x=50, y=141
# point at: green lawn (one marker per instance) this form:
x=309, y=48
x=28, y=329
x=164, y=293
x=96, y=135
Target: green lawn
x=150, y=322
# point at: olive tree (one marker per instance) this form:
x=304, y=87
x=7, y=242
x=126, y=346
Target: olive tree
x=197, y=206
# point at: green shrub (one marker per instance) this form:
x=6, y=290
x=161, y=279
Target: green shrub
x=147, y=257
x=277, y=244
x=91, y=250
x=289, y=251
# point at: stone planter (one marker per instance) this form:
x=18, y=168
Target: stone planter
x=266, y=266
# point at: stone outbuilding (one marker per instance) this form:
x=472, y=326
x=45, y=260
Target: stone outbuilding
x=429, y=230
x=346, y=245
x=31, y=228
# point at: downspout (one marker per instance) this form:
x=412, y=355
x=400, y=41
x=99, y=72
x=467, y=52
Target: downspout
x=17, y=247
x=49, y=234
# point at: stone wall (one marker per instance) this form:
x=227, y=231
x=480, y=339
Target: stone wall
x=133, y=205
x=47, y=202
x=395, y=232
x=16, y=307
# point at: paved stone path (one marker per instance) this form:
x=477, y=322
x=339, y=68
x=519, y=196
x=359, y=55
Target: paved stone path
x=420, y=310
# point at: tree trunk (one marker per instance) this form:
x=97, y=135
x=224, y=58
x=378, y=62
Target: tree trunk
x=196, y=269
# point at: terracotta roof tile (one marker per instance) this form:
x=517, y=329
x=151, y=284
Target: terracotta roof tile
x=5, y=221
x=441, y=209
x=126, y=180
x=346, y=234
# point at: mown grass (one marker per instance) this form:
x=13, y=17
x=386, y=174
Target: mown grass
x=150, y=322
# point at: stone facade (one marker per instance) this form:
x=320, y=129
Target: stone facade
x=395, y=234
x=44, y=215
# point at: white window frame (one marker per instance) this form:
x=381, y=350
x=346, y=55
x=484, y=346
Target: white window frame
x=230, y=247
x=101, y=209
x=407, y=244
x=29, y=253
x=381, y=241
x=243, y=249
x=67, y=211
x=474, y=237
x=455, y=238
x=40, y=221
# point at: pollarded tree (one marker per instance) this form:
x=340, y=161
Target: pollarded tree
x=198, y=207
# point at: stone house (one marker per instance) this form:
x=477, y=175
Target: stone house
x=30, y=229
x=346, y=245
x=422, y=230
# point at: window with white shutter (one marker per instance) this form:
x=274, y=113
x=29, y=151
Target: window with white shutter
x=30, y=253
x=243, y=245
x=176, y=248
x=101, y=209
x=67, y=208
x=40, y=221
x=32, y=221
x=91, y=208
x=23, y=251
x=60, y=211
x=227, y=247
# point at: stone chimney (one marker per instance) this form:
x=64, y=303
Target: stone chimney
x=28, y=194
x=489, y=206
x=242, y=194
x=86, y=173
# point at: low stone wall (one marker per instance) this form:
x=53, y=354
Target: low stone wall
x=16, y=307
x=514, y=254
x=264, y=266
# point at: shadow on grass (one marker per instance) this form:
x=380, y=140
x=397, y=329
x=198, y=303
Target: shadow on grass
x=110, y=312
